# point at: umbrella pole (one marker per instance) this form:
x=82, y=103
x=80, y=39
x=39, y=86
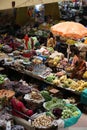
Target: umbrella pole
x=68, y=52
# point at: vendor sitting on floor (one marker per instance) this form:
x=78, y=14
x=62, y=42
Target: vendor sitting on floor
x=76, y=57
x=18, y=107
x=51, y=41
x=79, y=68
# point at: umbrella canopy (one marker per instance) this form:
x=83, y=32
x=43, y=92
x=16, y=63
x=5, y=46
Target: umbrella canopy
x=70, y=30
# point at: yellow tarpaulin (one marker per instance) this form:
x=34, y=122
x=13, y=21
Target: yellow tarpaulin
x=7, y=4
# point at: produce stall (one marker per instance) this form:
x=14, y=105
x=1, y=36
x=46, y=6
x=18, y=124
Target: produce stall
x=32, y=96
x=36, y=68
x=72, y=30
x=52, y=113
x=50, y=68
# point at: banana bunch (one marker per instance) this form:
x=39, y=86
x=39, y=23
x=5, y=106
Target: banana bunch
x=56, y=81
x=1, y=45
x=81, y=86
x=85, y=75
x=54, y=61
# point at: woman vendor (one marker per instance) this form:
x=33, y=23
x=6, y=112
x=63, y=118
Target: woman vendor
x=51, y=41
x=79, y=67
x=18, y=107
x=28, y=42
x=76, y=56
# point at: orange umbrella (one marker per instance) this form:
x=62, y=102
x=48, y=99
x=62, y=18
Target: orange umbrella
x=69, y=30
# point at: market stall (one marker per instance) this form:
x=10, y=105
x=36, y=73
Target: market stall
x=54, y=113
x=69, y=30
x=23, y=66
x=50, y=68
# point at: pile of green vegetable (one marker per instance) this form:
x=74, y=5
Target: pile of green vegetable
x=69, y=111
x=57, y=108
x=50, y=78
x=54, y=103
x=46, y=95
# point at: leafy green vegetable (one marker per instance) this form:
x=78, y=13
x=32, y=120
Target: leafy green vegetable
x=55, y=102
x=49, y=113
x=46, y=95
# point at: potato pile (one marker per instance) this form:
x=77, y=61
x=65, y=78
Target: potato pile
x=42, y=121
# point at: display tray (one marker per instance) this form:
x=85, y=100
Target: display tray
x=7, y=93
x=42, y=117
x=28, y=97
x=69, y=89
x=26, y=63
x=33, y=75
x=17, y=69
x=8, y=61
x=48, y=82
x=30, y=73
x=50, y=105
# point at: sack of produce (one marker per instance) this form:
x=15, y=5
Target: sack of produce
x=43, y=122
x=64, y=115
x=70, y=115
x=83, y=99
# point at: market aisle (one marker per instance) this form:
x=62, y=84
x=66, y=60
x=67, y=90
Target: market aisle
x=81, y=125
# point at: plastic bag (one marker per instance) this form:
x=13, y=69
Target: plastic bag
x=73, y=120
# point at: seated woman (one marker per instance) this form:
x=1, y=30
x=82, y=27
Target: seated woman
x=18, y=107
x=51, y=41
x=79, y=68
x=76, y=56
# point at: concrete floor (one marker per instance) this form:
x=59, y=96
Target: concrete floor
x=82, y=122
x=80, y=125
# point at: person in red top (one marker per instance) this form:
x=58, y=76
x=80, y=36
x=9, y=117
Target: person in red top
x=28, y=42
x=18, y=107
x=75, y=58
x=26, y=38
